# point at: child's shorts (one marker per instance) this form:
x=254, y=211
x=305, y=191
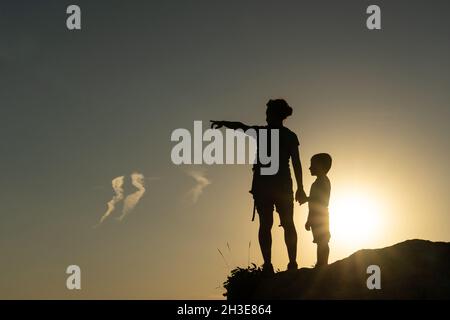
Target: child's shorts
x=321, y=229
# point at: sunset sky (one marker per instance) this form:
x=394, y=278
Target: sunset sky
x=80, y=108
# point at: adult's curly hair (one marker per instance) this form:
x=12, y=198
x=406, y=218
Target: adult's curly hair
x=279, y=107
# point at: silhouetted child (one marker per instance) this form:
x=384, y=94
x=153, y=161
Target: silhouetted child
x=319, y=197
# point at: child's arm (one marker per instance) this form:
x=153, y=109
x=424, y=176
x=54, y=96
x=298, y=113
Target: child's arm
x=308, y=223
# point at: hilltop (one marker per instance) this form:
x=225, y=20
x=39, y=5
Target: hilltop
x=414, y=269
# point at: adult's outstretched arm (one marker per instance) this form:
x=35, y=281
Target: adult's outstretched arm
x=215, y=124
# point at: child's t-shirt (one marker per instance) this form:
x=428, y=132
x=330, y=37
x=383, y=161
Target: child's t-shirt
x=319, y=198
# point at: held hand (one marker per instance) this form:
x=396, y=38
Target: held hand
x=307, y=226
x=216, y=124
x=300, y=196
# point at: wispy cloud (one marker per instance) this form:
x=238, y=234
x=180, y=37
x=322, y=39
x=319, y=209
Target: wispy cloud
x=201, y=183
x=130, y=202
x=117, y=185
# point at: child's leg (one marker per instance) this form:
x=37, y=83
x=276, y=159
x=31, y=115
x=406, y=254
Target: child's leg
x=323, y=251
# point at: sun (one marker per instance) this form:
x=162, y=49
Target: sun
x=354, y=220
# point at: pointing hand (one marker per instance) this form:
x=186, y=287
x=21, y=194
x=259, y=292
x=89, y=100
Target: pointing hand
x=216, y=124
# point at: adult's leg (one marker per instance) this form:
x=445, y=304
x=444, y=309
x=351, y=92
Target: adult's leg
x=265, y=233
x=286, y=211
x=290, y=238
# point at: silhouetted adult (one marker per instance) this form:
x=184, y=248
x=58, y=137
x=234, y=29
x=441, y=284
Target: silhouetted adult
x=271, y=191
